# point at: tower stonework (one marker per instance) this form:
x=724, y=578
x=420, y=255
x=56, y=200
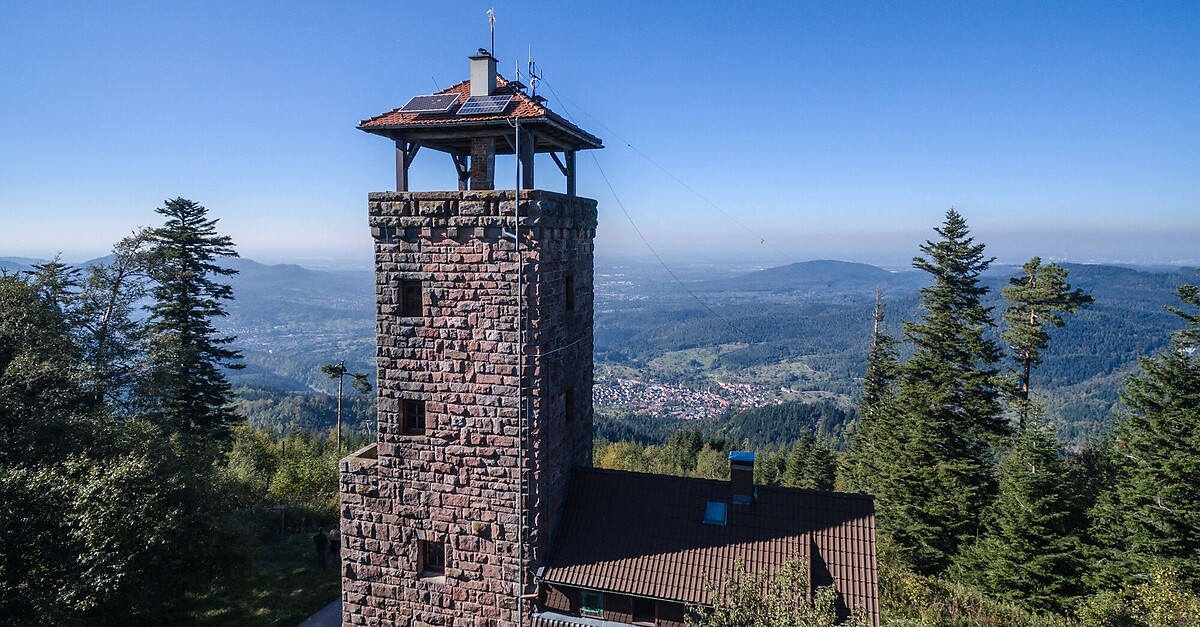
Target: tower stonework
x=484, y=326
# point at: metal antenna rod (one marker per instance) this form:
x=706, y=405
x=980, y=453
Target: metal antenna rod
x=491, y=13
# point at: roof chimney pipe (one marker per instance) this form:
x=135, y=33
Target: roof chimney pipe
x=741, y=476
x=483, y=73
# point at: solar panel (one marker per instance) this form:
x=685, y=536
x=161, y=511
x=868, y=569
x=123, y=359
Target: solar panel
x=437, y=103
x=476, y=105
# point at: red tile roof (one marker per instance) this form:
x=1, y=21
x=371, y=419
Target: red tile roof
x=522, y=106
x=643, y=535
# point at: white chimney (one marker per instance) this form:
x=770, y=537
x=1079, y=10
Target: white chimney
x=483, y=73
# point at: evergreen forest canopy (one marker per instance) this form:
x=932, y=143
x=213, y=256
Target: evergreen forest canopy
x=127, y=472
x=982, y=518
x=128, y=481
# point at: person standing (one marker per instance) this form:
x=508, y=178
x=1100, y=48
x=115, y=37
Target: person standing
x=320, y=541
x=334, y=547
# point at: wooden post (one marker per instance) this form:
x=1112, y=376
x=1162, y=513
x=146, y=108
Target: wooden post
x=527, y=151
x=464, y=174
x=405, y=151
x=570, y=172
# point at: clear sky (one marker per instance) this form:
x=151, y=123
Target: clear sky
x=831, y=130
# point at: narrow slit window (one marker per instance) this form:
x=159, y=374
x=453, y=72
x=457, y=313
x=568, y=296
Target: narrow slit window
x=413, y=416
x=412, y=300
x=569, y=289
x=569, y=405
x=433, y=558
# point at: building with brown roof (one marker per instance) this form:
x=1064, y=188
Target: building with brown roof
x=477, y=505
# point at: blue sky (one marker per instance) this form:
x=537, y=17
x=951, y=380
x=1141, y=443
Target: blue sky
x=831, y=130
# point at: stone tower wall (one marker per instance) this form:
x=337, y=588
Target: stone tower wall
x=458, y=483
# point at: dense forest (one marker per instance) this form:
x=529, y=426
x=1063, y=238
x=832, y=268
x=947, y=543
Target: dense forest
x=131, y=490
x=133, y=472
x=985, y=515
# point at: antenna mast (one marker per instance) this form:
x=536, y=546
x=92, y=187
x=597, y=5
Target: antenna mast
x=534, y=77
x=491, y=13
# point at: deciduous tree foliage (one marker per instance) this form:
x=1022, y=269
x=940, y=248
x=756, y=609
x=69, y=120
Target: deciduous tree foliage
x=1151, y=517
x=751, y=600
x=101, y=522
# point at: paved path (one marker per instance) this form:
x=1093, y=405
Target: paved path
x=329, y=616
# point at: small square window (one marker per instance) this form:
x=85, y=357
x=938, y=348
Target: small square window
x=387, y=235
x=412, y=300
x=433, y=558
x=569, y=288
x=412, y=416
x=591, y=603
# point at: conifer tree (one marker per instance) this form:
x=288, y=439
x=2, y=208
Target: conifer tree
x=810, y=464
x=875, y=436
x=1039, y=295
x=1031, y=552
x=1151, y=518
x=187, y=390
x=948, y=398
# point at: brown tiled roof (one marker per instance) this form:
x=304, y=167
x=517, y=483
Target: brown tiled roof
x=643, y=535
x=522, y=106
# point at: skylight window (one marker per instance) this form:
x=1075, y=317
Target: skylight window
x=714, y=513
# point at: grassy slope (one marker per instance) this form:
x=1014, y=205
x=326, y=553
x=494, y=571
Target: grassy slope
x=276, y=585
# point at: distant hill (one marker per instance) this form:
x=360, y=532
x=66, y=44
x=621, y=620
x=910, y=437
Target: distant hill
x=806, y=325
x=14, y=265
x=817, y=316
x=824, y=277
x=289, y=321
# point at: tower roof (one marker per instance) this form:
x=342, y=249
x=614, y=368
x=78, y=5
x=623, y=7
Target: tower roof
x=450, y=132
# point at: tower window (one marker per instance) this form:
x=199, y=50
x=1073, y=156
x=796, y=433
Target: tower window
x=412, y=300
x=412, y=416
x=569, y=288
x=432, y=556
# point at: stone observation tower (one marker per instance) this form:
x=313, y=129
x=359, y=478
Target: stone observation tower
x=484, y=327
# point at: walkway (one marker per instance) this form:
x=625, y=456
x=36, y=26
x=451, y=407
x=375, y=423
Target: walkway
x=329, y=616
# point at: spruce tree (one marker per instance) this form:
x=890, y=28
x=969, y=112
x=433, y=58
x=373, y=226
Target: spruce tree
x=874, y=440
x=810, y=464
x=1031, y=552
x=948, y=402
x=188, y=392
x=1039, y=295
x=1151, y=518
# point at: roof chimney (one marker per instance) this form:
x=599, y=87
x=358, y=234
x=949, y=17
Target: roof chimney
x=483, y=73
x=741, y=476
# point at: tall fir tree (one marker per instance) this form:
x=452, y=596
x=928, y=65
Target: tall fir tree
x=942, y=477
x=1151, y=517
x=187, y=391
x=1031, y=552
x=1040, y=295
